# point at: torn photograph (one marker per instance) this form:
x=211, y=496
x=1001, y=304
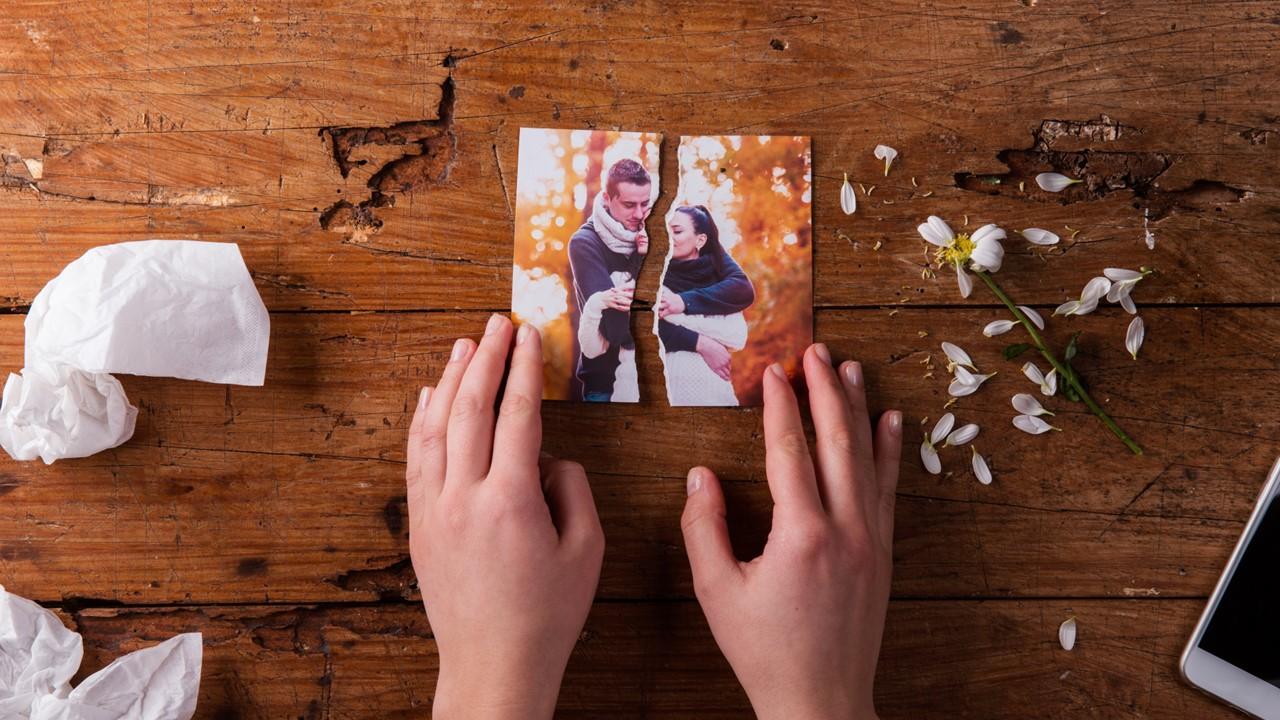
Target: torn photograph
x=582, y=198
x=737, y=288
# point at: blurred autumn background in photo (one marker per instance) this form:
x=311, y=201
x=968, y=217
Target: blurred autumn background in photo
x=759, y=190
x=559, y=174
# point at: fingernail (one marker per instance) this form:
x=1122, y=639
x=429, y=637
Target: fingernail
x=821, y=350
x=695, y=481
x=523, y=333
x=895, y=421
x=776, y=369
x=853, y=371
x=495, y=322
x=459, y=350
x=423, y=397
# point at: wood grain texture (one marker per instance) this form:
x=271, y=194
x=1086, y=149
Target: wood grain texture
x=363, y=155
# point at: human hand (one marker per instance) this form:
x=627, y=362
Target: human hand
x=716, y=356
x=801, y=624
x=669, y=303
x=619, y=298
x=506, y=546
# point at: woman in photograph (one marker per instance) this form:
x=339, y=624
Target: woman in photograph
x=700, y=321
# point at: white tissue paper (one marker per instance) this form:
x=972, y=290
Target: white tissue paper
x=167, y=308
x=39, y=656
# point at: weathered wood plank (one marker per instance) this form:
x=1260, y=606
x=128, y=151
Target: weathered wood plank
x=956, y=659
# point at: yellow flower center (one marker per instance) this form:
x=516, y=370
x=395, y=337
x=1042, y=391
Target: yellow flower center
x=957, y=252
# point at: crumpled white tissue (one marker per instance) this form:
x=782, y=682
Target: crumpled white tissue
x=168, y=308
x=39, y=656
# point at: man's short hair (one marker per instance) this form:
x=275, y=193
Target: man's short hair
x=625, y=170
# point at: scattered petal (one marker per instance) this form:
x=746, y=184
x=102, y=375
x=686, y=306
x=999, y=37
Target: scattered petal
x=1067, y=634
x=942, y=428
x=965, y=383
x=1126, y=302
x=980, y=469
x=962, y=435
x=964, y=281
x=1055, y=182
x=1067, y=308
x=1133, y=338
x=998, y=327
x=887, y=154
x=1050, y=386
x=1095, y=290
x=848, y=198
x=929, y=456
x=1120, y=275
x=1048, y=383
x=957, y=356
x=1027, y=404
x=1033, y=316
x=1040, y=236
x=1032, y=424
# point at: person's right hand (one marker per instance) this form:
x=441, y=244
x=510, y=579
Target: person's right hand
x=716, y=356
x=801, y=624
x=619, y=298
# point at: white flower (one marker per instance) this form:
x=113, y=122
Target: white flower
x=1055, y=182
x=1032, y=315
x=928, y=448
x=1032, y=424
x=1028, y=405
x=1067, y=633
x=965, y=382
x=982, y=251
x=887, y=154
x=1048, y=383
x=1134, y=336
x=848, y=199
x=1039, y=236
x=1122, y=282
x=957, y=356
x=998, y=327
x=980, y=469
x=1094, y=290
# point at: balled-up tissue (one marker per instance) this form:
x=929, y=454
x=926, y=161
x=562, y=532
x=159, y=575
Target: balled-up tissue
x=39, y=656
x=166, y=308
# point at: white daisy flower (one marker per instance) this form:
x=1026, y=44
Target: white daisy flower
x=1134, y=336
x=982, y=251
x=887, y=154
x=1122, y=282
x=1038, y=236
x=1032, y=424
x=1027, y=404
x=1055, y=182
x=1093, y=292
x=980, y=468
x=1048, y=383
x=848, y=199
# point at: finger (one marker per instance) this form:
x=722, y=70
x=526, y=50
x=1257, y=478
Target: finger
x=413, y=468
x=786, y=458
x=573, y=510
x=888, y=458
x=726, y=372
x=706, y=535
x=837, y=438
x=517, y=438
x=471, y=418
x=433, y=440
x=864, y=470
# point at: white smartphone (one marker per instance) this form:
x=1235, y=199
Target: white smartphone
x=1234, y=654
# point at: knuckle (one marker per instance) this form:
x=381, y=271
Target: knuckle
x=517, y=405
x=431, y=441
x=842, y=440
x=793, y=442
x=812, y=539
x=467, y=407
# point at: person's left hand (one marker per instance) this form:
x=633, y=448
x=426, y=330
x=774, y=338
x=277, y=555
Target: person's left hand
x=669, y=303
x=506, y=546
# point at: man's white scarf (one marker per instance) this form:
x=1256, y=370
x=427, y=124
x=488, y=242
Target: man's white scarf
x=615, y=235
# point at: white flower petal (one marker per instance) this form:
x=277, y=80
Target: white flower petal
x=931, y=236
x=887, y=154
x=1050, y=386
x=942, y=428
x=1069, y=307
x=1095, y=290
x=848, y=198
x=929, y=456
x=1054, y=182
x=1134, y=336
x=1031, y=424
x=960, y=388
x=998, y=327
x=1126, y=302
x=1039, y=236
x=957, y=356
x=980, y=469
x=1086, y=306
x=1067, y=634
x=962, y=435
x=941, y=229
x=964, y=281
x=1033, y=316
x=1033, y=373
x=1027, y=404
x=988, y=254
x=990, y=231
x=1121, y=274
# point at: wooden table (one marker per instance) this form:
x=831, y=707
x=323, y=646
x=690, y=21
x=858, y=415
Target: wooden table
x=363, y=155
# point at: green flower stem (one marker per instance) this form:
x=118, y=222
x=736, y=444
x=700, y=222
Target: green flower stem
x=1063, y=371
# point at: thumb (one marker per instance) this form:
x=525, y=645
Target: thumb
x=706, y=536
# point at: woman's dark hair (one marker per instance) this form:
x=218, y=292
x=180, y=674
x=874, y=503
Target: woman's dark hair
x=704, y=224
